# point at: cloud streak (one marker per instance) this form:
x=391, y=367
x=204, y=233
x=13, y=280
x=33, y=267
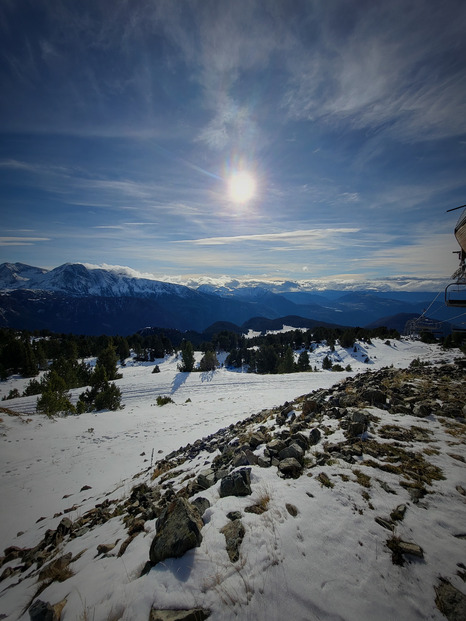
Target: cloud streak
x=288, y=237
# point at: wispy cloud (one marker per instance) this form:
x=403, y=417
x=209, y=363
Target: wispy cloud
x=288, y=237
x=377, y=73
x=21, y=241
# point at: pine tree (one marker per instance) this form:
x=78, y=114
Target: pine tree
x=55, y=399
x=187, y=357
x=326, y=363
x=108, y=359
x=208, y=362
x=266, y=360
x=303, y=361
x=287, y=363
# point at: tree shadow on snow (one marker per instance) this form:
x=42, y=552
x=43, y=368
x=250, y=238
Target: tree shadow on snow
x=178, y=381
x=207, y=376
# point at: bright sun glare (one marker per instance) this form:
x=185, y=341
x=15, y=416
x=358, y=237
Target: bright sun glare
x=241, y=187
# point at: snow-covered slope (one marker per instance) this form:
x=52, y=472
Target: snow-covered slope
x=327, y=560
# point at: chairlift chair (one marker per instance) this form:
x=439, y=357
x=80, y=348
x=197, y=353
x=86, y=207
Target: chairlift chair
x=455, y=292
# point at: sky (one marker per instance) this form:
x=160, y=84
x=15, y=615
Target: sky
x=122, y=123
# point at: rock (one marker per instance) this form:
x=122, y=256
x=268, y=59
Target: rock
x=257, y=509
x=374, y=396
x=283, y=415
x=8, y=572
x=234, y=515
x=422, y=408
x=42, y=611
x=135, y=527
x=386, y=487
x=238, y=483
x=65, y=527
x=206, y=478
x=12, y=553
x=195, y=614
x=398, y=514
x=201, y=504
x=234, y=534
x=105, y=548
x=178, y=530
x=264, y=462
x=450, y=601
x=356, y=424
x=314, y=436
x=384, y=523
x=292, y=510
x=275, y=446
x=410, y=548
x=301, y=439
x=256, y=439
x=293, y=450
x=245, y=457
x=399, y=548
x=290, y=468
x=57, y=570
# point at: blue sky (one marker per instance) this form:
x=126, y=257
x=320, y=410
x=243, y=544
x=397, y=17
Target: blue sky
x=122, y=121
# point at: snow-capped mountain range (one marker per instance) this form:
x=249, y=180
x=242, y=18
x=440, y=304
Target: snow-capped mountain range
x=79, y=280
x=82, y=298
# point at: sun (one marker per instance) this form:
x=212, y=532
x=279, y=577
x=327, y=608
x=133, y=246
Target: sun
x=241, y=187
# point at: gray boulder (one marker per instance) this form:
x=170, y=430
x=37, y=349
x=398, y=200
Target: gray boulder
x=238, y=483
x=206, y=478
x=314, y=436
x=290, y=468
x=178, y=530
x=374, y=396
x=294, y=450
x=275, y=446
x=201, y=504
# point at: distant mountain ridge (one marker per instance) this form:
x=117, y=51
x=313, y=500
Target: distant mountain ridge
x=90, y=300
x=78, y=280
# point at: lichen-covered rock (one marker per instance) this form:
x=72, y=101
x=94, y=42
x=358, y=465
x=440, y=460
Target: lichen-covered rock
x=178, y=530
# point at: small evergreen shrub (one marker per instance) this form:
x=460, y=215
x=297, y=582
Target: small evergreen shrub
x=163, y=400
